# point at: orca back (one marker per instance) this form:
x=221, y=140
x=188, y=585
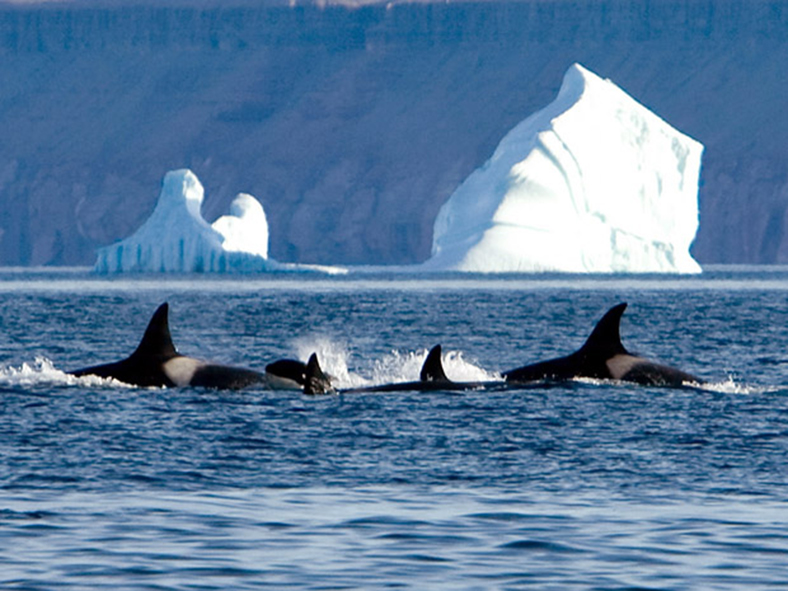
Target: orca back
x=603, y=356
x=431, y=379
x=145, y=366
x=224, y=377
x=590, y=360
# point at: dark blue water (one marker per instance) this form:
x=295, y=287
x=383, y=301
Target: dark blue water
x=588, y=485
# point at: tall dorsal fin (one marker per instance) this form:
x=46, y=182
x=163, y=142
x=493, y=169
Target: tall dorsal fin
x=605, y=339
x=432, y=370
x=157, y=342
x=316, y=382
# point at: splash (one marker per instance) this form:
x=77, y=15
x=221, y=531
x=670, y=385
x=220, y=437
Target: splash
x=727, y=386
x=400, y=366
x=396, y=366
x=42, y=372
x=731, y=386
x=333, y=356
x=460, y=369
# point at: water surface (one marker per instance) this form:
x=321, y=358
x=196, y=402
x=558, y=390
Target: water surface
x=586, y=485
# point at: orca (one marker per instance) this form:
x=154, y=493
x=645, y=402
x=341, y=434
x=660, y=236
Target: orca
x=286, y=374
x=603, y=357
x=156, y=363
x=432, y=378
x=315, y=381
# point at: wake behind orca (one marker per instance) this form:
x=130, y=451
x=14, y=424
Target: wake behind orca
x=603, y=357
x=156, y=363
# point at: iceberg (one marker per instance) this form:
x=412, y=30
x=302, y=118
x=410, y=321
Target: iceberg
x=177, y=239
x=592, y=183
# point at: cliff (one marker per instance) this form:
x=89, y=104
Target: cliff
x=354, y=125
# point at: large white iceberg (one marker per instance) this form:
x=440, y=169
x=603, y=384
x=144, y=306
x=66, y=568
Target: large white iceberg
x=594, y=182
x=176, y=238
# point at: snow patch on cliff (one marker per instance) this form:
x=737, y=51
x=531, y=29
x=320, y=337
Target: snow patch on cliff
x=594, y=182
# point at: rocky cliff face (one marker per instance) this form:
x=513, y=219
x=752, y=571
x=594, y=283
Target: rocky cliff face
x=353, y=126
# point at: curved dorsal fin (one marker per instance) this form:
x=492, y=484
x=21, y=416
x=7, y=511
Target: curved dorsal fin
x=157, y=342
x=316, y=382
x=432, y=370
x=605, y=339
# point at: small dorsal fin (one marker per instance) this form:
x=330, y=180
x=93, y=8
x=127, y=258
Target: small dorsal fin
x=432, y=370
x=157, y=342
x=605, y=339
x=316, y=382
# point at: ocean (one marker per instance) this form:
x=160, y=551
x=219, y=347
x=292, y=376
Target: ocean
x=588, y=485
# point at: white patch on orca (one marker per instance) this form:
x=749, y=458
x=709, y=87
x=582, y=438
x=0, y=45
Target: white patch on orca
x=275, y=382
x=621, y=365
x=180, y=370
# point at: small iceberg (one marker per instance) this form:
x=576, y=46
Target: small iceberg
x=177, y=239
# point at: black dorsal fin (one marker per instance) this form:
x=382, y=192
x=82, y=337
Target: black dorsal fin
x=157, y=342
x=432, y=370
x=316, y=382
x=605, y=339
